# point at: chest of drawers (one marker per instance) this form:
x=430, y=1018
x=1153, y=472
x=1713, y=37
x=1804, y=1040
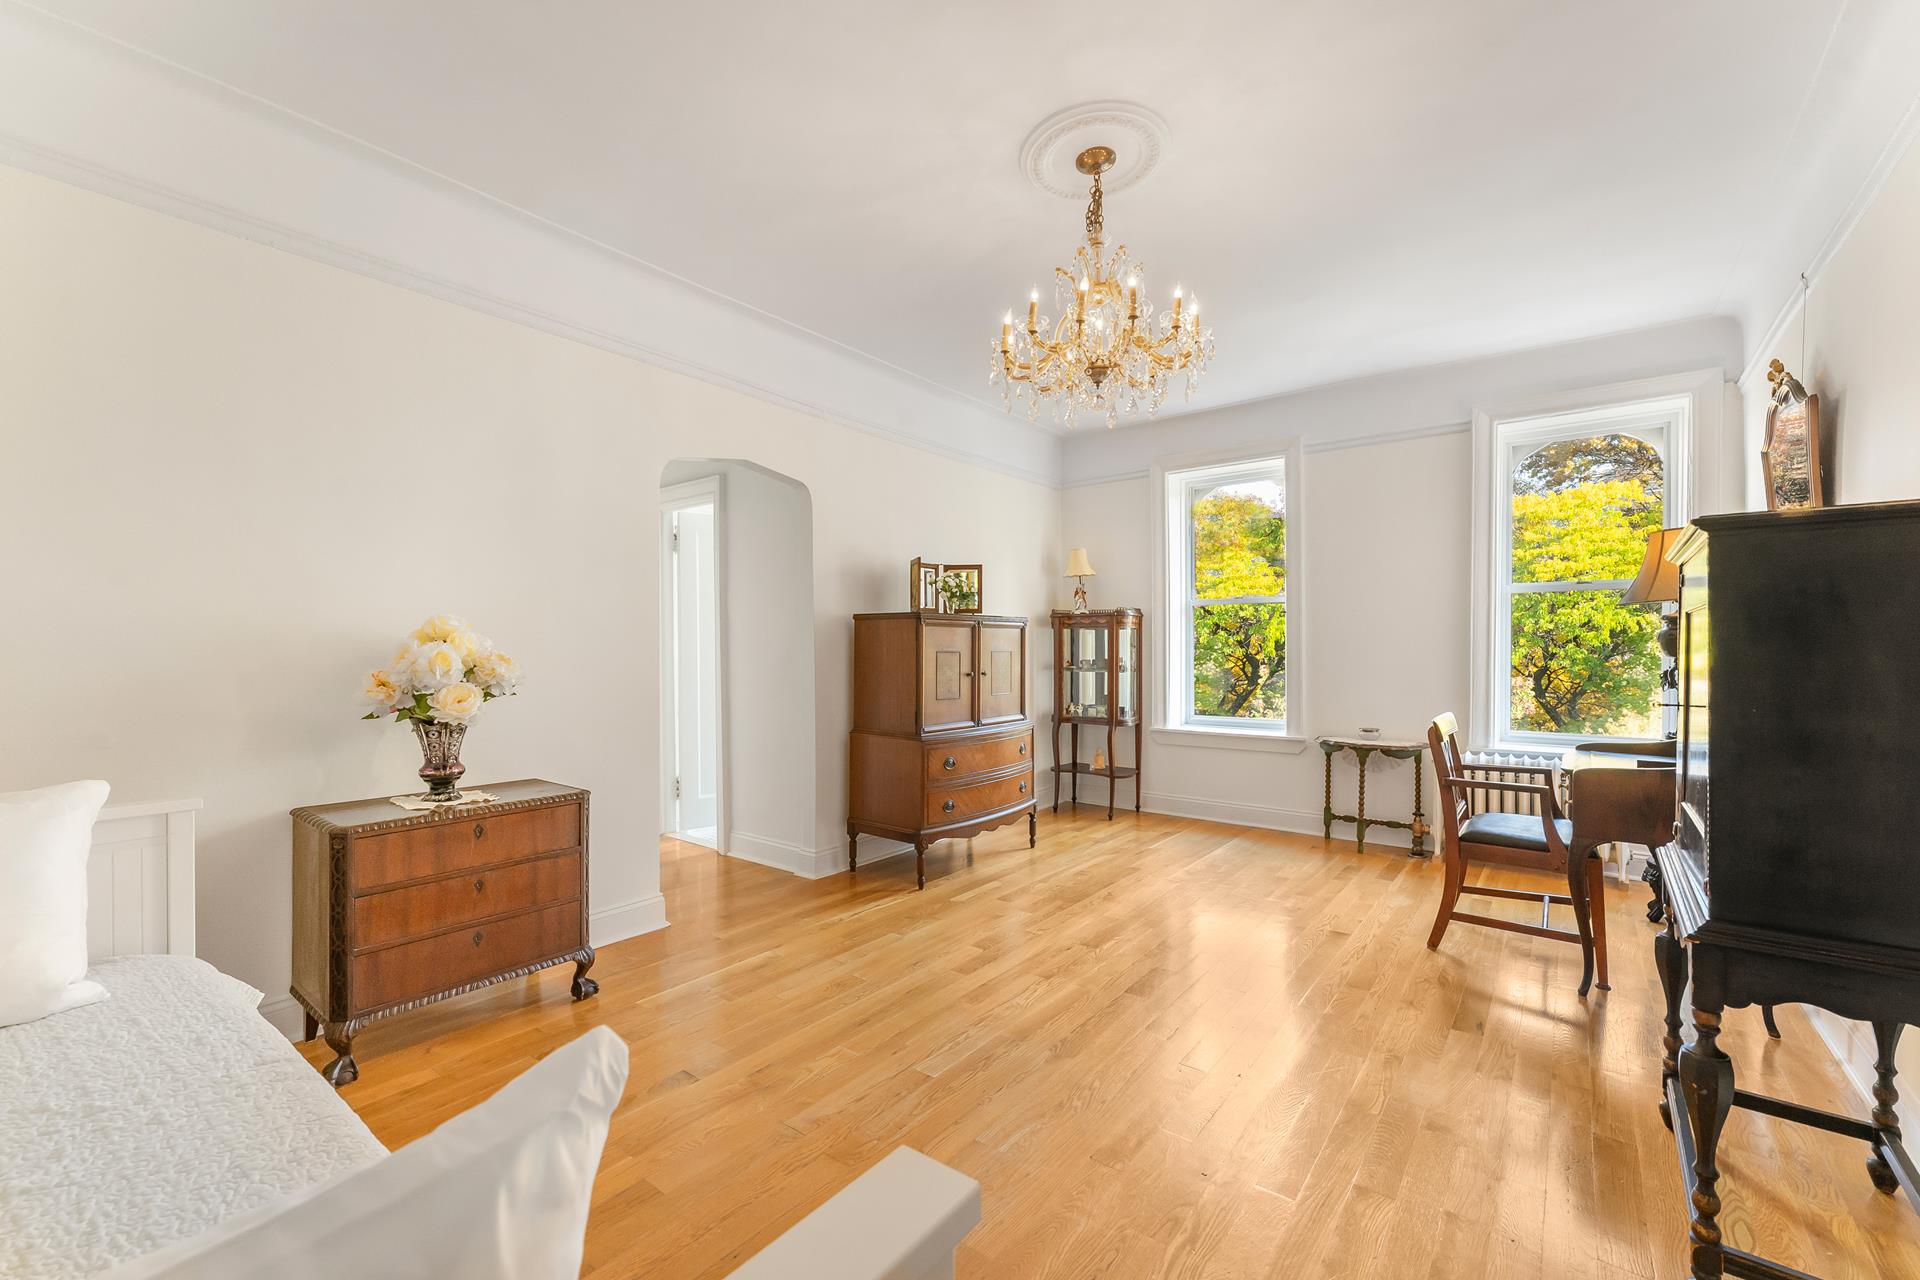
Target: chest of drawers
x=394, y=909
x=942, y=745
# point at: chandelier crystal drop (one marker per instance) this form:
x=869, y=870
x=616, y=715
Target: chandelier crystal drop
x=1108, y=352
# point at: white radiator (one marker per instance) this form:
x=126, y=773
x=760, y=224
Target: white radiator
x=1503, y=766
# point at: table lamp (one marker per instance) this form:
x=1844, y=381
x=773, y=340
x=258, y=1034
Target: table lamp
x=1658, y=583
x=1079, y=568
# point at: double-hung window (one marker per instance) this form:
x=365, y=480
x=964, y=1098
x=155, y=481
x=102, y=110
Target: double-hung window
x=1226, y=574
x=1575, y=496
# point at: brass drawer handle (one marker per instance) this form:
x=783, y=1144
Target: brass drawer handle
x=948, y=763
x=1023, y=748
x=947, y=807
x=1023, y=788
x=479, y=829
x=478, y=936
x=480, y=885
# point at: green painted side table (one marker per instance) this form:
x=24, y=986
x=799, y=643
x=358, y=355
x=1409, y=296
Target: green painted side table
x=1362, y=748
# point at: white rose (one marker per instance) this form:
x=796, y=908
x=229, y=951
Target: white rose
x=457, y=702
x=436, y=665
x=468, y=645
x=383, y=692
x=497, y=673
x=438, y=627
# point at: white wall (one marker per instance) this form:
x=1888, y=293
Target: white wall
x=233, y=476
x=1385, y=541
x=772, y=780
x=1854, y=343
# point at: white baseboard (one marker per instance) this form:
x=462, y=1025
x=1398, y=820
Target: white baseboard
x=1269, y=817
x=782, y=855
x=286, y=1015
x=606, y=925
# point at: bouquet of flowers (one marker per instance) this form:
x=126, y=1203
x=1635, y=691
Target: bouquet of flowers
x=443, y=674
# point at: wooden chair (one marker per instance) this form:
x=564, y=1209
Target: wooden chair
x=1537, y=841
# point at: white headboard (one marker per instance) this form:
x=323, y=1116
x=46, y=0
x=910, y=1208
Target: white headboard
x=140, y=880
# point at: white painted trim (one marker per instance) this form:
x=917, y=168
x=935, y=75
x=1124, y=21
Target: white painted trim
x=267, y=174
x=702, y=491
x=1266, y=818
x=1864, y=198
x=286, y=1015
x=1331, y=445
x=1160, y=598
x=1830, y=1027
x=1694, y=476
x=140, y=880
x=1231, y=740
x=608, y=925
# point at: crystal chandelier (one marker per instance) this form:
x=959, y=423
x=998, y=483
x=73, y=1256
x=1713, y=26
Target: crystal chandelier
x=1108, y=351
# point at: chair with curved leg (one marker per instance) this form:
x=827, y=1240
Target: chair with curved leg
x=1535, y=841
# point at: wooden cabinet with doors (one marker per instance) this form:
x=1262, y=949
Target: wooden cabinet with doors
x=1097, y=683
x=942, y=743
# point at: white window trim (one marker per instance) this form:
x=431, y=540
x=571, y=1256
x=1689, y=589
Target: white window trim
x=1691, y=486
x=1167, y=659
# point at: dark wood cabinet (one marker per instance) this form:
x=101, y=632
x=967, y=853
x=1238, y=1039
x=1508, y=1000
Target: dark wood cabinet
x=1787, y=880
x=942, y=743
x=394, y=909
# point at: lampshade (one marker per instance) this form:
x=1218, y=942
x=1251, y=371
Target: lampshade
x=1077, y=565
x=1658, y=581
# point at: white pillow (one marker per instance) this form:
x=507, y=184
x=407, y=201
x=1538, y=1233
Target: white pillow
x=45, y=836
x=499, y=1192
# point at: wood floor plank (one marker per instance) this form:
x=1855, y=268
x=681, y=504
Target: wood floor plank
x=1165, y=1047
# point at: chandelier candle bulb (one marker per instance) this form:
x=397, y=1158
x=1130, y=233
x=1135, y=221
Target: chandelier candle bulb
x=1033, y=313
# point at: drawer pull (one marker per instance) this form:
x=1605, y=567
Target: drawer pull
x=1023, y=788
x=479, y=829
x=947, y=807
x=1023, y=748
x=478, y=936
x=948, y=763
x=480, y=885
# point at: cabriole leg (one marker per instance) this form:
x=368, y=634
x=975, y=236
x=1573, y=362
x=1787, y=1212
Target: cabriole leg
x=343, y=1070
x=583, y=986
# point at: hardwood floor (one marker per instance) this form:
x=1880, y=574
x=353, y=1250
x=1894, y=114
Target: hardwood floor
x=1164, y=1047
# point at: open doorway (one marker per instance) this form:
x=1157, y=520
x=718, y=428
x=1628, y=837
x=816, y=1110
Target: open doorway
x=751, y=666
x=693, y=665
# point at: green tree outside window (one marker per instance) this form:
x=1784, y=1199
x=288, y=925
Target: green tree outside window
x=1582, y=662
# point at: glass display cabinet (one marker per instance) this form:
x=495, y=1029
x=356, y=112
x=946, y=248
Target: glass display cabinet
x=1097, y=682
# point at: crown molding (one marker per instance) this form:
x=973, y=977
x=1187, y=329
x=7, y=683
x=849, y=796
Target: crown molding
x=1864, y=198
x=83, y=109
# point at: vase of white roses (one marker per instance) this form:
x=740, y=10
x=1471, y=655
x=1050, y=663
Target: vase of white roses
x=438, y=681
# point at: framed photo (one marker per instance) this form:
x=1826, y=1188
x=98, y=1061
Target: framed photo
x=1791, y=456
x=945, y=588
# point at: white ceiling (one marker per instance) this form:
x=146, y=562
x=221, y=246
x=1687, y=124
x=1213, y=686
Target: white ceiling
x=1350, y=187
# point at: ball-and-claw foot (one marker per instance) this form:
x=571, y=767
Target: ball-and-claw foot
x=343, y=1070
x=584, y=986
x=1883, y=1177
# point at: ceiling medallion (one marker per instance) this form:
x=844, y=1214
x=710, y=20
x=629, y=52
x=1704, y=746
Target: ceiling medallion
x=1108, y=352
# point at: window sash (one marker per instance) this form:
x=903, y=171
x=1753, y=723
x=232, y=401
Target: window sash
x=1664, y=426
x=1191, y=486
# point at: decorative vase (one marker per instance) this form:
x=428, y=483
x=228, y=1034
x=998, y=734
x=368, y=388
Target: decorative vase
x=440, y=749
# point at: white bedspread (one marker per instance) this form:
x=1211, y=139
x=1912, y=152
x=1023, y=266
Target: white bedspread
x=153, y=1115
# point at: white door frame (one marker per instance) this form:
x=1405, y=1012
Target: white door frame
x=708, y=490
